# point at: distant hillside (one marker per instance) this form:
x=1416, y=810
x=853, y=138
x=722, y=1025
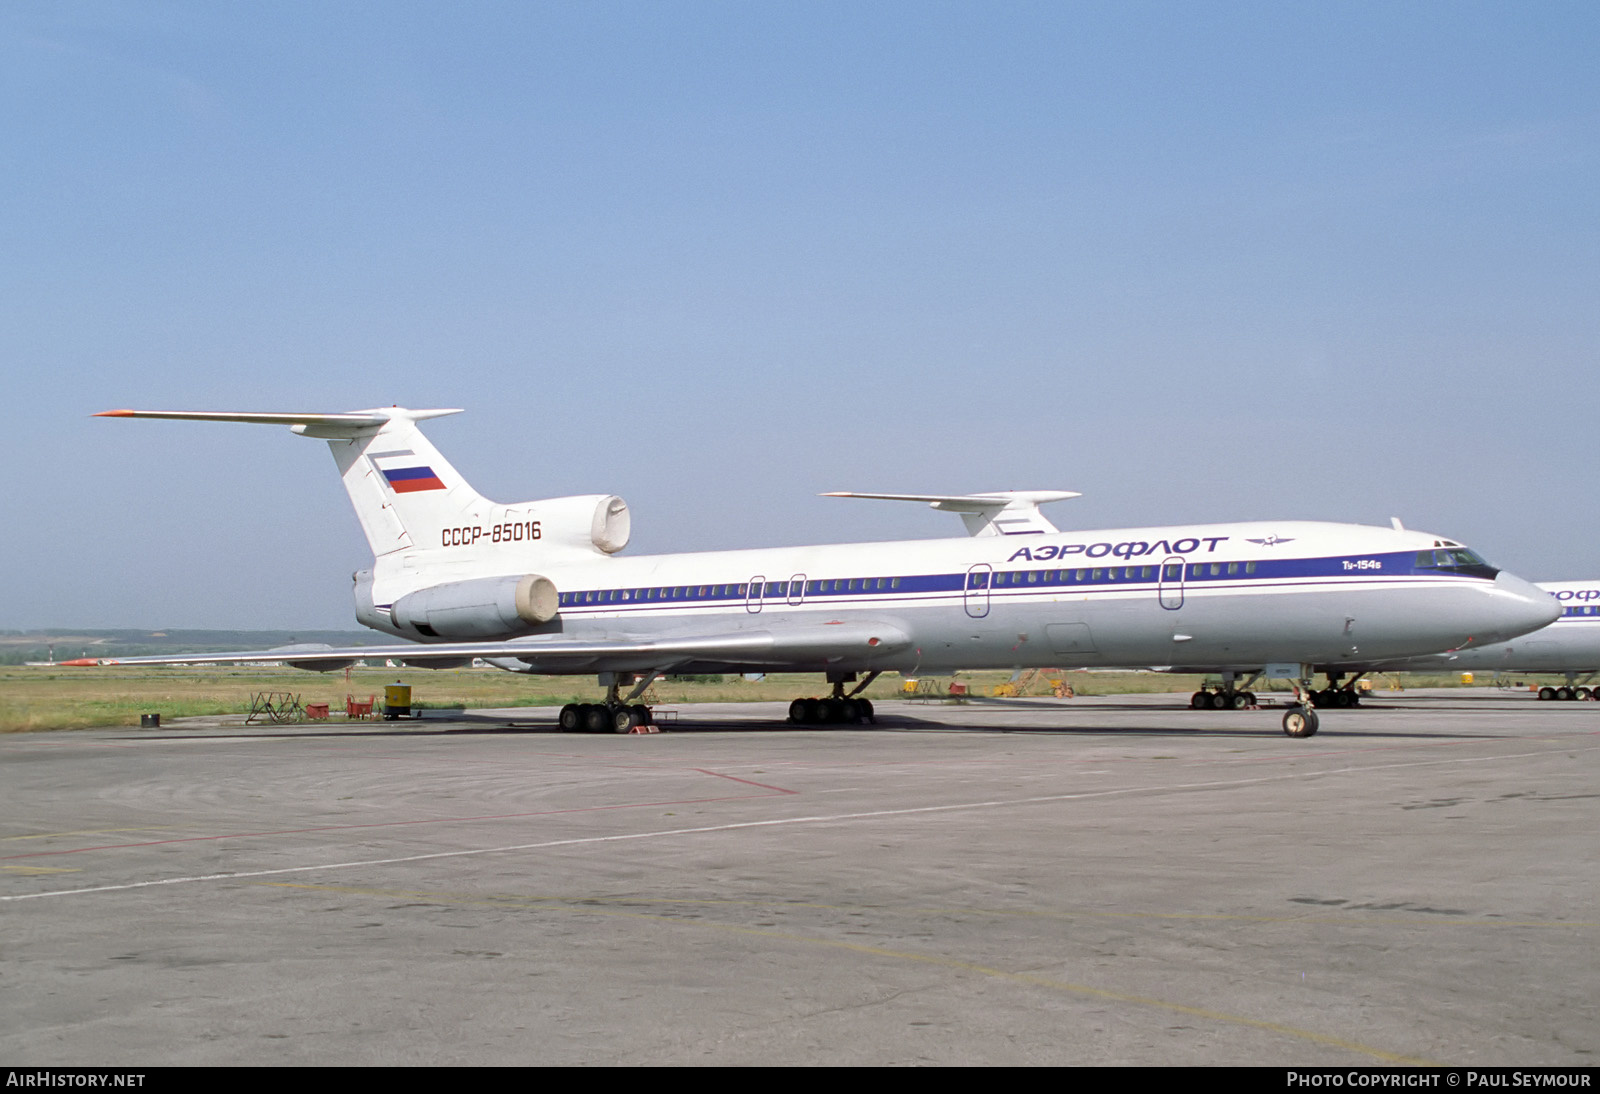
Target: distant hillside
x=18, y=647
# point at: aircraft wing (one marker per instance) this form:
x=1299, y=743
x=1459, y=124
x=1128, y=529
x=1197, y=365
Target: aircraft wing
x=1000, y=513
x=776, y=649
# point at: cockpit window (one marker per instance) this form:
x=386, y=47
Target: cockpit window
x=1455, y=558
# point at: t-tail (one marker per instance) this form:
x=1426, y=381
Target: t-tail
x=435, y=539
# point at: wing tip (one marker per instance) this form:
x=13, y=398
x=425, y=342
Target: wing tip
x=113, y=414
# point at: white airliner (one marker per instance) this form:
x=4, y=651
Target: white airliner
x=1570, y=646
x=539, y=587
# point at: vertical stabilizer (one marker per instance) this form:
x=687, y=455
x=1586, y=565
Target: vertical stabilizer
x=397, y=480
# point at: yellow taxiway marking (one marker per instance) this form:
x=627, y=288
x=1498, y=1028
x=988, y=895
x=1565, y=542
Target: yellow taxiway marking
x=1032, y=979
x=91, y=832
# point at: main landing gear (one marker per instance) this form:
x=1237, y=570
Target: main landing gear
x=1226, y=696
x=1222, y=699
x=1571, y=690
x=838, y=708
x=605, y=718
x=1336, y=694
x=615, y=715
x=1547, y=693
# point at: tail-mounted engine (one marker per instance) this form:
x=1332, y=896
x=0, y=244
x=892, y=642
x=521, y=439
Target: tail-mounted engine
x=485, y=607
x=599, y=522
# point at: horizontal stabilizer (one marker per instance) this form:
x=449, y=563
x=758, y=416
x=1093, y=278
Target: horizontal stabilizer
x=999, y=513
x=314, y=425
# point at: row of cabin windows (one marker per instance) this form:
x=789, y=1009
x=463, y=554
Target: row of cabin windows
x=1589, y=610
x=771, y=590
x=779, y=590
x=1111, y=573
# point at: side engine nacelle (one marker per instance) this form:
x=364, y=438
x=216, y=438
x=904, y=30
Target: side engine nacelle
x=485, y=607
x=599, y=522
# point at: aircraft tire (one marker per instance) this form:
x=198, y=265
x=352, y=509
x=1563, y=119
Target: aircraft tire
x=1546, y=693
x=1199, y=701
x=642, y=715
x=866, y=711
x=597, y=719
x=1238, y=700
x=1249, y=698
x=798, y=714
x=1300, y=722
x=1563, y=693
x=623, y=719
x=570, y=720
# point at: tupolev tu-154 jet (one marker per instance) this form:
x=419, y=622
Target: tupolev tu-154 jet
x=541, y=587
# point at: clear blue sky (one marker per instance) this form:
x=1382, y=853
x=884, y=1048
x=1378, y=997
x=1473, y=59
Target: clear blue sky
x=1199, y=261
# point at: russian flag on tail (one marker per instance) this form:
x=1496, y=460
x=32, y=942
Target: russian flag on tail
x=409, y=480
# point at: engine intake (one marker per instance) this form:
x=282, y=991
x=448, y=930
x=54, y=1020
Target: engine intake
x=598, y=522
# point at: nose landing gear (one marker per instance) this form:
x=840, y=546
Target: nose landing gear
x=1301, y=720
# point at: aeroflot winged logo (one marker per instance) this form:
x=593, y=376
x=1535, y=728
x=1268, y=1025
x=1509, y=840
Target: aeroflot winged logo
x=1273, y=540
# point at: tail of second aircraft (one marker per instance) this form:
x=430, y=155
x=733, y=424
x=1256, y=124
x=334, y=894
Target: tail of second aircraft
x=410, y=499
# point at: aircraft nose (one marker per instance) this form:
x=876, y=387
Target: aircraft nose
x=1522, y=606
